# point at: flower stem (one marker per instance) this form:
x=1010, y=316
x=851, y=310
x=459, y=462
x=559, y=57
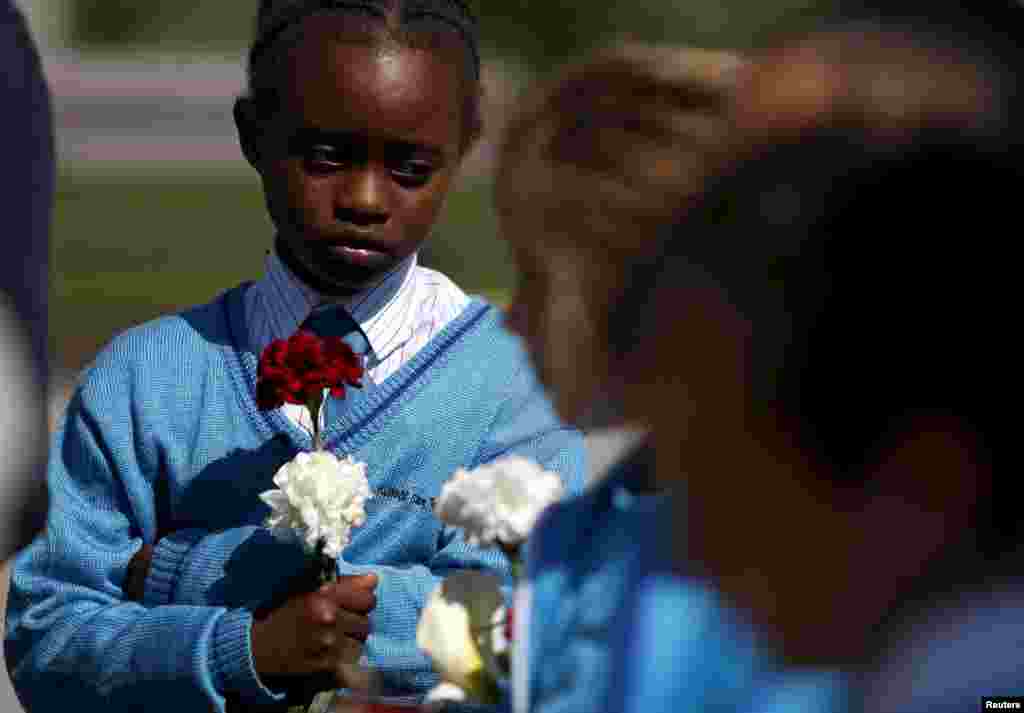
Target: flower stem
x=327, y=568
x=482, y=688
x=314, y=405
x=512, y=552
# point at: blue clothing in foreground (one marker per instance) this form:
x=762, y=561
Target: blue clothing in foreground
x=955, y=654
x=612, y=627
x=26, y=203
x=665, y=669
x=163, y=441
x=27, y=142
x=583, y=558
x=678, y=647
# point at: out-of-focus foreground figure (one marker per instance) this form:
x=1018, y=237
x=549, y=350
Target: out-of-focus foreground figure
x=26, y=195
x=835, y=315
x=594, y=166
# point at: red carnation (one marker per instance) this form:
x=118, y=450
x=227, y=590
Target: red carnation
x=299, y=369
x=343, y=367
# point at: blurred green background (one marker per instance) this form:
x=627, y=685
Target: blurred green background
x=146, y=237
x=539, y=32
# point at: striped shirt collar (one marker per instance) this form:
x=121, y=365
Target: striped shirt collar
x=280, y=303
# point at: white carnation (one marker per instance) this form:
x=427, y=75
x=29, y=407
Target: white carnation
x=453, y=624
x=319, y=497
x=500, y=644
x=442, y=694
x=498, y=502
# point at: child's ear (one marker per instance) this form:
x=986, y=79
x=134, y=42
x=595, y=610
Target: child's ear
x=250, y=130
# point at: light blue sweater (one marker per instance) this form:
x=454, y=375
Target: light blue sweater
x=614, y=628
x=967, y=645
x=679, y=649
x=163, y=441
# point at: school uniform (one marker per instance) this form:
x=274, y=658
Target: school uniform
x=163, y=443
x=613, y=625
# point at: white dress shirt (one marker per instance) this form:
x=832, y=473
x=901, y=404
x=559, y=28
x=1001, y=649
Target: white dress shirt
x=398, y=316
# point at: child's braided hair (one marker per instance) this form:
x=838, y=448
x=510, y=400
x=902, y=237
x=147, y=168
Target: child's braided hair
x=422, y=24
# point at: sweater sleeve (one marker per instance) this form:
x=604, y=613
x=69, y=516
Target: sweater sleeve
x=524, y=425
x=72, y=639
x=188, y=566
x=192, y=566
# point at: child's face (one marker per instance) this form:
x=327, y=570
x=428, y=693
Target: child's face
x=360, y=157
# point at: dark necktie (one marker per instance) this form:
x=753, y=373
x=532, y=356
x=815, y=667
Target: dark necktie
x=336, y=322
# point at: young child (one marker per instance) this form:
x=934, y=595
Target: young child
x=357, y=118
x=852, y=401
x=592, y=169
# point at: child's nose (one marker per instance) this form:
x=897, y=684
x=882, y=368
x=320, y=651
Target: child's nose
x=361, y=197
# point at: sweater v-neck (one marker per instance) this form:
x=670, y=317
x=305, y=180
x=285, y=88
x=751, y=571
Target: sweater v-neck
x=356, y=425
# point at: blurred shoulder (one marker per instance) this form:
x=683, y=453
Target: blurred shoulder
x=555, y=537
x=959, y=650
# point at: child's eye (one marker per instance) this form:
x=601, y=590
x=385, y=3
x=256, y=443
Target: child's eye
x=413, y=172
x=323, y=159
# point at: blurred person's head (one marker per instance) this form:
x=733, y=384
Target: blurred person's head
x=890, y=83
x=986, y=29
x=357, y=118
x=832, y=315
x=592, y=165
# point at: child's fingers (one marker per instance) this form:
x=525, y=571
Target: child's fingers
x=347, y=651
x=354, y=594
x=359, y=581
x=354, y=625
x=325, y=640
x=357, y=678
x=344, y=652
x=319, y=609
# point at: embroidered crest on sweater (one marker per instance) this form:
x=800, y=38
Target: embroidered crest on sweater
x=404, y=496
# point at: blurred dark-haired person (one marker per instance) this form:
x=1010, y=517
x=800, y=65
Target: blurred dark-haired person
x=988, y=30
x=26, y=139
x=594, y=165
x=853, y=295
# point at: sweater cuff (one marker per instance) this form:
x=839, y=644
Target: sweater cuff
x=169, y=558
x=231, y=660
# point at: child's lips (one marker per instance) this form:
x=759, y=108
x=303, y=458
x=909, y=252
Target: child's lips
x=357, y=253
x=351, y=250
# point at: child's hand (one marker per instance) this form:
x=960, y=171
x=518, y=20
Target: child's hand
x=321, y=631
x=138, y=570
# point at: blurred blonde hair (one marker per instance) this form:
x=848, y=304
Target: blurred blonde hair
x=612, y=151
x=889, y=83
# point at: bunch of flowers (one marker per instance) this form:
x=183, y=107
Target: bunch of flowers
x=455, y=629
x=319, y=497
x=466, y=628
